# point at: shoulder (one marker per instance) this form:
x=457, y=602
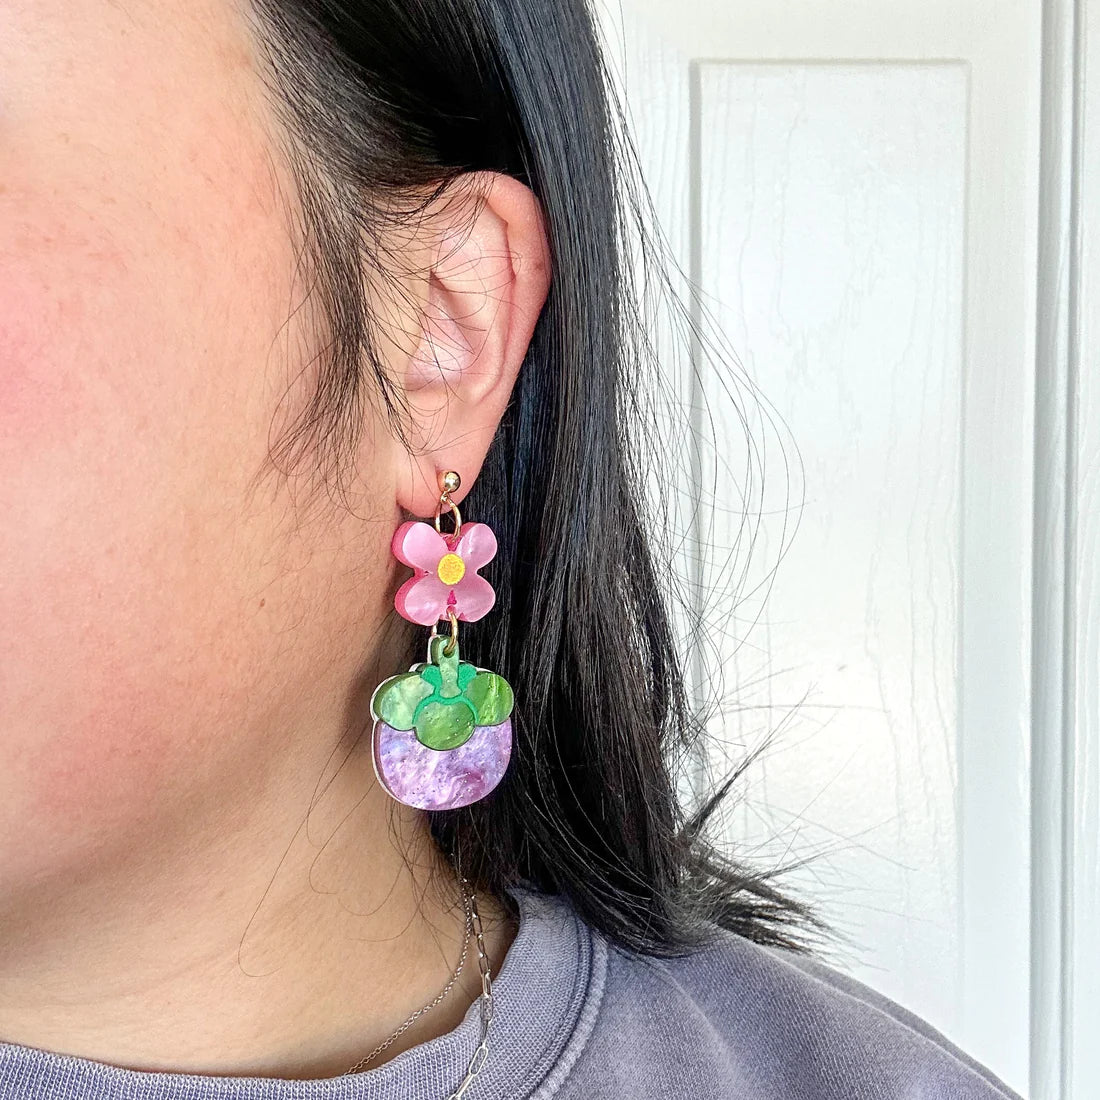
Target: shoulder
x=738, y=1019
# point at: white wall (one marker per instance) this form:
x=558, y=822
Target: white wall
x=855, y=189
x=1077, y=736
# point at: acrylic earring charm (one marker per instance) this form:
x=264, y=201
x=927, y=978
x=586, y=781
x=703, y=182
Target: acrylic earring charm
x=442, y=730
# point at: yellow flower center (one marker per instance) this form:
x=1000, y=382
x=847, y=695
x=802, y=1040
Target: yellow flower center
x=451, y=569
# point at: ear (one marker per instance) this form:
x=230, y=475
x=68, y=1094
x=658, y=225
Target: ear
x=487, y=280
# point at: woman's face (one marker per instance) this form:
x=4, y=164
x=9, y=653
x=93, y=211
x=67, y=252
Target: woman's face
x=169, y=631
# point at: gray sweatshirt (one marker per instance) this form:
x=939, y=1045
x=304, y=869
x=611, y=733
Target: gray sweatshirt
x=577, y=1019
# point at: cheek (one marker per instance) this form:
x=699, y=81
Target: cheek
x=34, y=397
x=160, y=633
x=134, y=648
x=116, y=589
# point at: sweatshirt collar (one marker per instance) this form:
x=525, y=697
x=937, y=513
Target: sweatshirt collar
x=545, y=996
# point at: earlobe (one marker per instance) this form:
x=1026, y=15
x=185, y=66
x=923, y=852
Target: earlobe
x=488, y=280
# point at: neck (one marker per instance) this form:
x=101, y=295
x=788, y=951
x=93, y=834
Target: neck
x=288, y=937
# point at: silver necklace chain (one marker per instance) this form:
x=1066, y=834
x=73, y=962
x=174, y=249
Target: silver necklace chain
x=481, y=1054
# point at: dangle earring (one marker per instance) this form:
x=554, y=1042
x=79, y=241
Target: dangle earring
x=442, y=730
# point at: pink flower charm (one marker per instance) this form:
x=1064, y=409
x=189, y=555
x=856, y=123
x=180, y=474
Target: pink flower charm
x=444, y=572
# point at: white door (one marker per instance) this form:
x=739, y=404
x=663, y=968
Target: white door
x=855, y=189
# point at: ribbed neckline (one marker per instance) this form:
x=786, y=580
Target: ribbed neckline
x=546, y=996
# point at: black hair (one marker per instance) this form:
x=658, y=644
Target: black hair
x=387, y=105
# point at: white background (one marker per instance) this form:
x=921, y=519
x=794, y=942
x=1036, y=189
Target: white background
x=891, y=211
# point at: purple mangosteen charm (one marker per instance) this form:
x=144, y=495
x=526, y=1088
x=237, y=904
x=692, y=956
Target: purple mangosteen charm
x=443, y=731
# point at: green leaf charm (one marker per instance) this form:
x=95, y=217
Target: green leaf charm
x=491, y=696
x=395, y=700
x=443, y=699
